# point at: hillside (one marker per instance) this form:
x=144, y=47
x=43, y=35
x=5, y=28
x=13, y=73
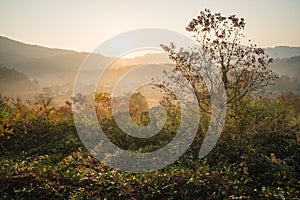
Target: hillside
x=287, y=66
x=14, y=83
x=283, y=52
x=29, y=51
x=58, y=67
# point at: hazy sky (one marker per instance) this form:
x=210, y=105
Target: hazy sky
x=83, y=25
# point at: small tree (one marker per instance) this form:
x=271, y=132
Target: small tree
x=244, y=70
x=139, y=108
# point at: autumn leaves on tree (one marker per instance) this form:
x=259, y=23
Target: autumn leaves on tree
x=244, y=69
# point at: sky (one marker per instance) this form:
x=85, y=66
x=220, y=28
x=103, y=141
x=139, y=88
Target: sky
x=83, y=25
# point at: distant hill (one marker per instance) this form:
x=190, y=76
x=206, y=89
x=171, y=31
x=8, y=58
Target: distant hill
x=14, y=83
x=150, y=58
x=29, y=51
x=46, y=65
x=287, y=66
x=57, y=66
x=283, y=52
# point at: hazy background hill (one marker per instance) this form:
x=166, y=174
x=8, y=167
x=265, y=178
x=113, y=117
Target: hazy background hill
x=283, y=52
x=46, y=65
x=14, y=83
x=29, y=51
x=58, y=67
x=287, y=66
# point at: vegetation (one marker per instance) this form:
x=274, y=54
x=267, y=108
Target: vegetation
x=244, y=70
x=257, y=156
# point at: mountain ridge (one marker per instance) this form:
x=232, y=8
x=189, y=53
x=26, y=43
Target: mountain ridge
x=11, y=46
x=44, y=63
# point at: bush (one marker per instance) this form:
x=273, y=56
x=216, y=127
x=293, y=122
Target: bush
x=257, y=156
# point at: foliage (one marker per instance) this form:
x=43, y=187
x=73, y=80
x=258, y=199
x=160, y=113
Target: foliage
x=139, y=111
x=20, y=118
x=257, y=156
x=244, y=70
